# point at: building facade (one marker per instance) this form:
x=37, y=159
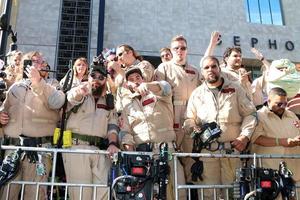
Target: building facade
x=149, y=25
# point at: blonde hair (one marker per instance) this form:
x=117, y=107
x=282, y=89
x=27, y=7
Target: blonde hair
x=84, y=60
x=178, y=38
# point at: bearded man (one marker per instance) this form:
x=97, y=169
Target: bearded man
x=92, y=119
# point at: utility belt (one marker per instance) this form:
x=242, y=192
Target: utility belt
x=34, y=141
x=179, y=103
x=223, y=147
x=69, y=139
x=150, y=146
x=100, y=142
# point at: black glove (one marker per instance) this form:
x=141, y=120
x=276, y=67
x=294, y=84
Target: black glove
x=29, y=142
x=197, y=170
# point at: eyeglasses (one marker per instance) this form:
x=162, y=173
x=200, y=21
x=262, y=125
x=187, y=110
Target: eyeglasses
x=98, y=77
x=282, y=104
x=182, y=48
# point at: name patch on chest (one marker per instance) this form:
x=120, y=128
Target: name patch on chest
x=190, y=71
x=228, y=90
x=102, y=106
x=148, y=101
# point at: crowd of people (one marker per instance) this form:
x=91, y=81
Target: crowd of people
x=150, y=105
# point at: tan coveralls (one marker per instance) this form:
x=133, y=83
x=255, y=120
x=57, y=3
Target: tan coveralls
x=183, y=80
x=33, y=112
x=234, y=113
x=150, y=120
x=91, y=119
x=122, y=91
x=272, y=126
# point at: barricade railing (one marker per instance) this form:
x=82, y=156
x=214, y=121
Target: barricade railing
x=53, y=183
x=256, y=159
x=54, y=151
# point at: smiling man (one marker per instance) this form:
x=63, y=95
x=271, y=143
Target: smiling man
x=277, y=132
x=224, y=102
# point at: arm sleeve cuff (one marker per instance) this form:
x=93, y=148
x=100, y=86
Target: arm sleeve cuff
x=165, y=87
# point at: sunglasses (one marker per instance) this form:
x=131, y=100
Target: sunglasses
x=282, y=104
x=98, y=77
x=182, y=48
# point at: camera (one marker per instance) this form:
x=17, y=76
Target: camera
x=209, y=132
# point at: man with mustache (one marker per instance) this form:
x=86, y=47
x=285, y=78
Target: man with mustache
x=277, y=132
x=224, y=102
x=91, y=121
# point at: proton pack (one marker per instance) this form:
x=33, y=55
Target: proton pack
x=135, y=175
x=263, y=183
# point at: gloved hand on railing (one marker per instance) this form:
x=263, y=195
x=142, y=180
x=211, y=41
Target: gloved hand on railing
x=197, y=170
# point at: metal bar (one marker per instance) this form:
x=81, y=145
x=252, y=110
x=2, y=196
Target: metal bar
x=215, y=193
x=175, y=178
x=66, y=192
x=37, y=191
x=227, y=194
x=209, y=155
x=22, y=192
x=202, y=193
x=8, y=190
x=53, y=174
x=80, y=193
x=94, y=193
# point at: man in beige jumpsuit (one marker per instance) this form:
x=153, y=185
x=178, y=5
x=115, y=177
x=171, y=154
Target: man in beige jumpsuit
x=31, y=109
x=148, y=120
x=226, y=103
x=277, y=132
x=93, y=121
x=127, y=58
x=183, y=78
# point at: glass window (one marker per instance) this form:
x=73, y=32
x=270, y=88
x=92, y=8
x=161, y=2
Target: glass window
x=264, y=11
x=276, y=12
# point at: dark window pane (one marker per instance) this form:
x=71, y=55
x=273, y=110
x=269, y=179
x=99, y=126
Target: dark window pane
x=276, y=12
x=254, y=11
x=247, y=10
x=265, y=12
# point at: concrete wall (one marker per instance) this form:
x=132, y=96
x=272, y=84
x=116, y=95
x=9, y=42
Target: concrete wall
x=37, y=26
x=149, y=25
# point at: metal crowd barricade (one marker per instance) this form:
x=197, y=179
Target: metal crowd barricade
x=53, y=183
x=178, y=187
